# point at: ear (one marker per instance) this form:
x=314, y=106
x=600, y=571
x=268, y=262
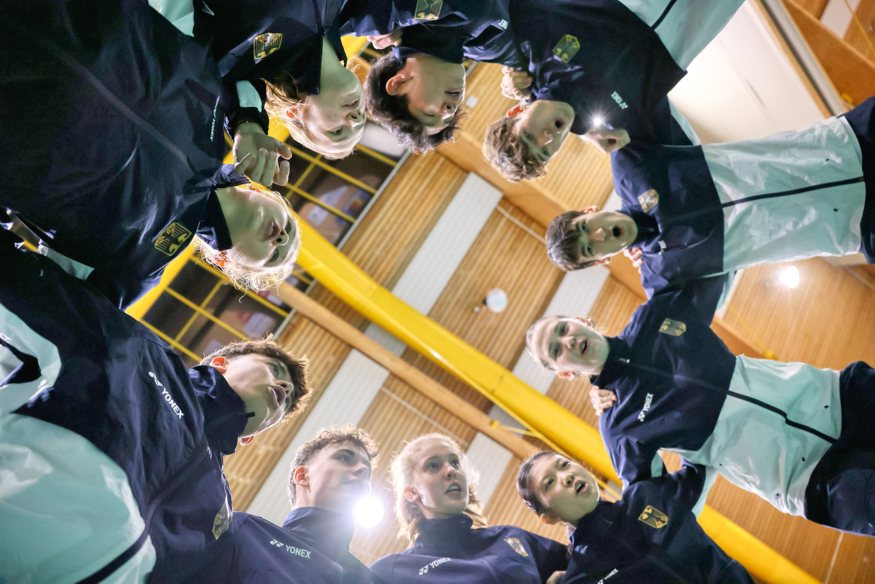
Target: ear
x=548, y=518
x=220, y=364
x=565, y=374
x=591, y=209
x=292, y=112
x=516, y=110
x=396, y=83
x=587, y=321
x=606, y=260
x=411, y=495
x=301, y=476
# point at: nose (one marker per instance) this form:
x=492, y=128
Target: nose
x=598, y=234
x=282, y=238
x=569, y=341
x=356, y=116
x=568, y=479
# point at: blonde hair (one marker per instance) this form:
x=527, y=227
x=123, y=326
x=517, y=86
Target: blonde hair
x=409, y=514
x=277, y=104
x=248, y=277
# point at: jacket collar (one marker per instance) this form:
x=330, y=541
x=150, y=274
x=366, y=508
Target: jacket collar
x=615, y=365
x=446, y=534
x=213, y=228
x=224, y=415
x=329, y=531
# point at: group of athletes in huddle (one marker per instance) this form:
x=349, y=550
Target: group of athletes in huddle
x=114, y=116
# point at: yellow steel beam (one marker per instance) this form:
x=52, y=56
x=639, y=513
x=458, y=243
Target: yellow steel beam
x=559, y=427
x=139, y=308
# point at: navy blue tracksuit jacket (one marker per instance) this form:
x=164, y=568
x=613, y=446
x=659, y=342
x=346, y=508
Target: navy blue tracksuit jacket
x=600, y=58
x=122, y=445
x=312, y=546
x=267, y=39
x=651, y=535
x=709, y=210
x=449, y=550
x=111, y=135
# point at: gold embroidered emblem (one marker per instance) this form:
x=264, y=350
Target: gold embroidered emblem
x=516, y=546
x=172, y=239
x=428, y=9
x=566, y=48
x=648, y=200
x=222, y=521
x=653, y=517
x=671, y=327
x=265, y=44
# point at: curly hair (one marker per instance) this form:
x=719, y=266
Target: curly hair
x=392, y=111
x=297, y=366
x=327, y=437
x=248, y=277
x=562, y=246
x=503, y=149
x=409, y=514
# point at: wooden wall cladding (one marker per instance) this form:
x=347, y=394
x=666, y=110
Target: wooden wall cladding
x=382, y=245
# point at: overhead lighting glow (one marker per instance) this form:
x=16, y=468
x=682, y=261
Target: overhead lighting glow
x=598, y=121
x=789, y=276
x=368, y=511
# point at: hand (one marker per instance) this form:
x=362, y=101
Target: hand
x=515, y=84
x=259, y=157
x=601, y=399
x=555, y=577
x=636, y=255
x=381, y=41
x=607, y=140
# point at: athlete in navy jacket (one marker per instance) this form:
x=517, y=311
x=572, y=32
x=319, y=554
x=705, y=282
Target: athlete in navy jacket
x=436, y=504
x=678, y=387
x=111, y=150
x=598, y=67
x=697, y=211
x=112, y=448
x=650, y=535
x=330, y=472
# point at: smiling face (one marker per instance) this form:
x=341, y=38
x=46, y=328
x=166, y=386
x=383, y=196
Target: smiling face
x=565, y=490
x=335, y=118
x=434, y=89
x=263, y=232
x=568, y=346
x=542, y=126
x=602, y=234
x=439, y=486
x=264, y=384
x=334, y=478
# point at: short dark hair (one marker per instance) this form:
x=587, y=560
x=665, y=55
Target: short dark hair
x=392, y=111
x=327, y=437
x=297, y=366
x=503, y=149
x=522, y=482
x=561, y=241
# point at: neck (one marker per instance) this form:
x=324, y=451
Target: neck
x=331, y=66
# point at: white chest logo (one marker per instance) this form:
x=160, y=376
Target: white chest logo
x=168, y=399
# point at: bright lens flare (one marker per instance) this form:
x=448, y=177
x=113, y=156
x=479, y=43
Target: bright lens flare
x=368, y=511
x=789, y=276
x=598, y=121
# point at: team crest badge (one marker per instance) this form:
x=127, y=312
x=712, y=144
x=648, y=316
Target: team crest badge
x=172, y=239
x=222, y=521
x=516, y=546
x=648, y=200
x=653, y=517
x=566, y=48
x=671, y=327
x=265, y=44
x=428, y=9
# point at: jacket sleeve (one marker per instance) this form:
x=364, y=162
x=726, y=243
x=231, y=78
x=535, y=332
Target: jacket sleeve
x=243, y=101
x=697, y=298
x=634, y=461
x=549, y=555
x=689, y=486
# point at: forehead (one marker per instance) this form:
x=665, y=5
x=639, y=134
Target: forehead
x=543, y=332
x=432, y=448
x=256, y=359
x=343, y=447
